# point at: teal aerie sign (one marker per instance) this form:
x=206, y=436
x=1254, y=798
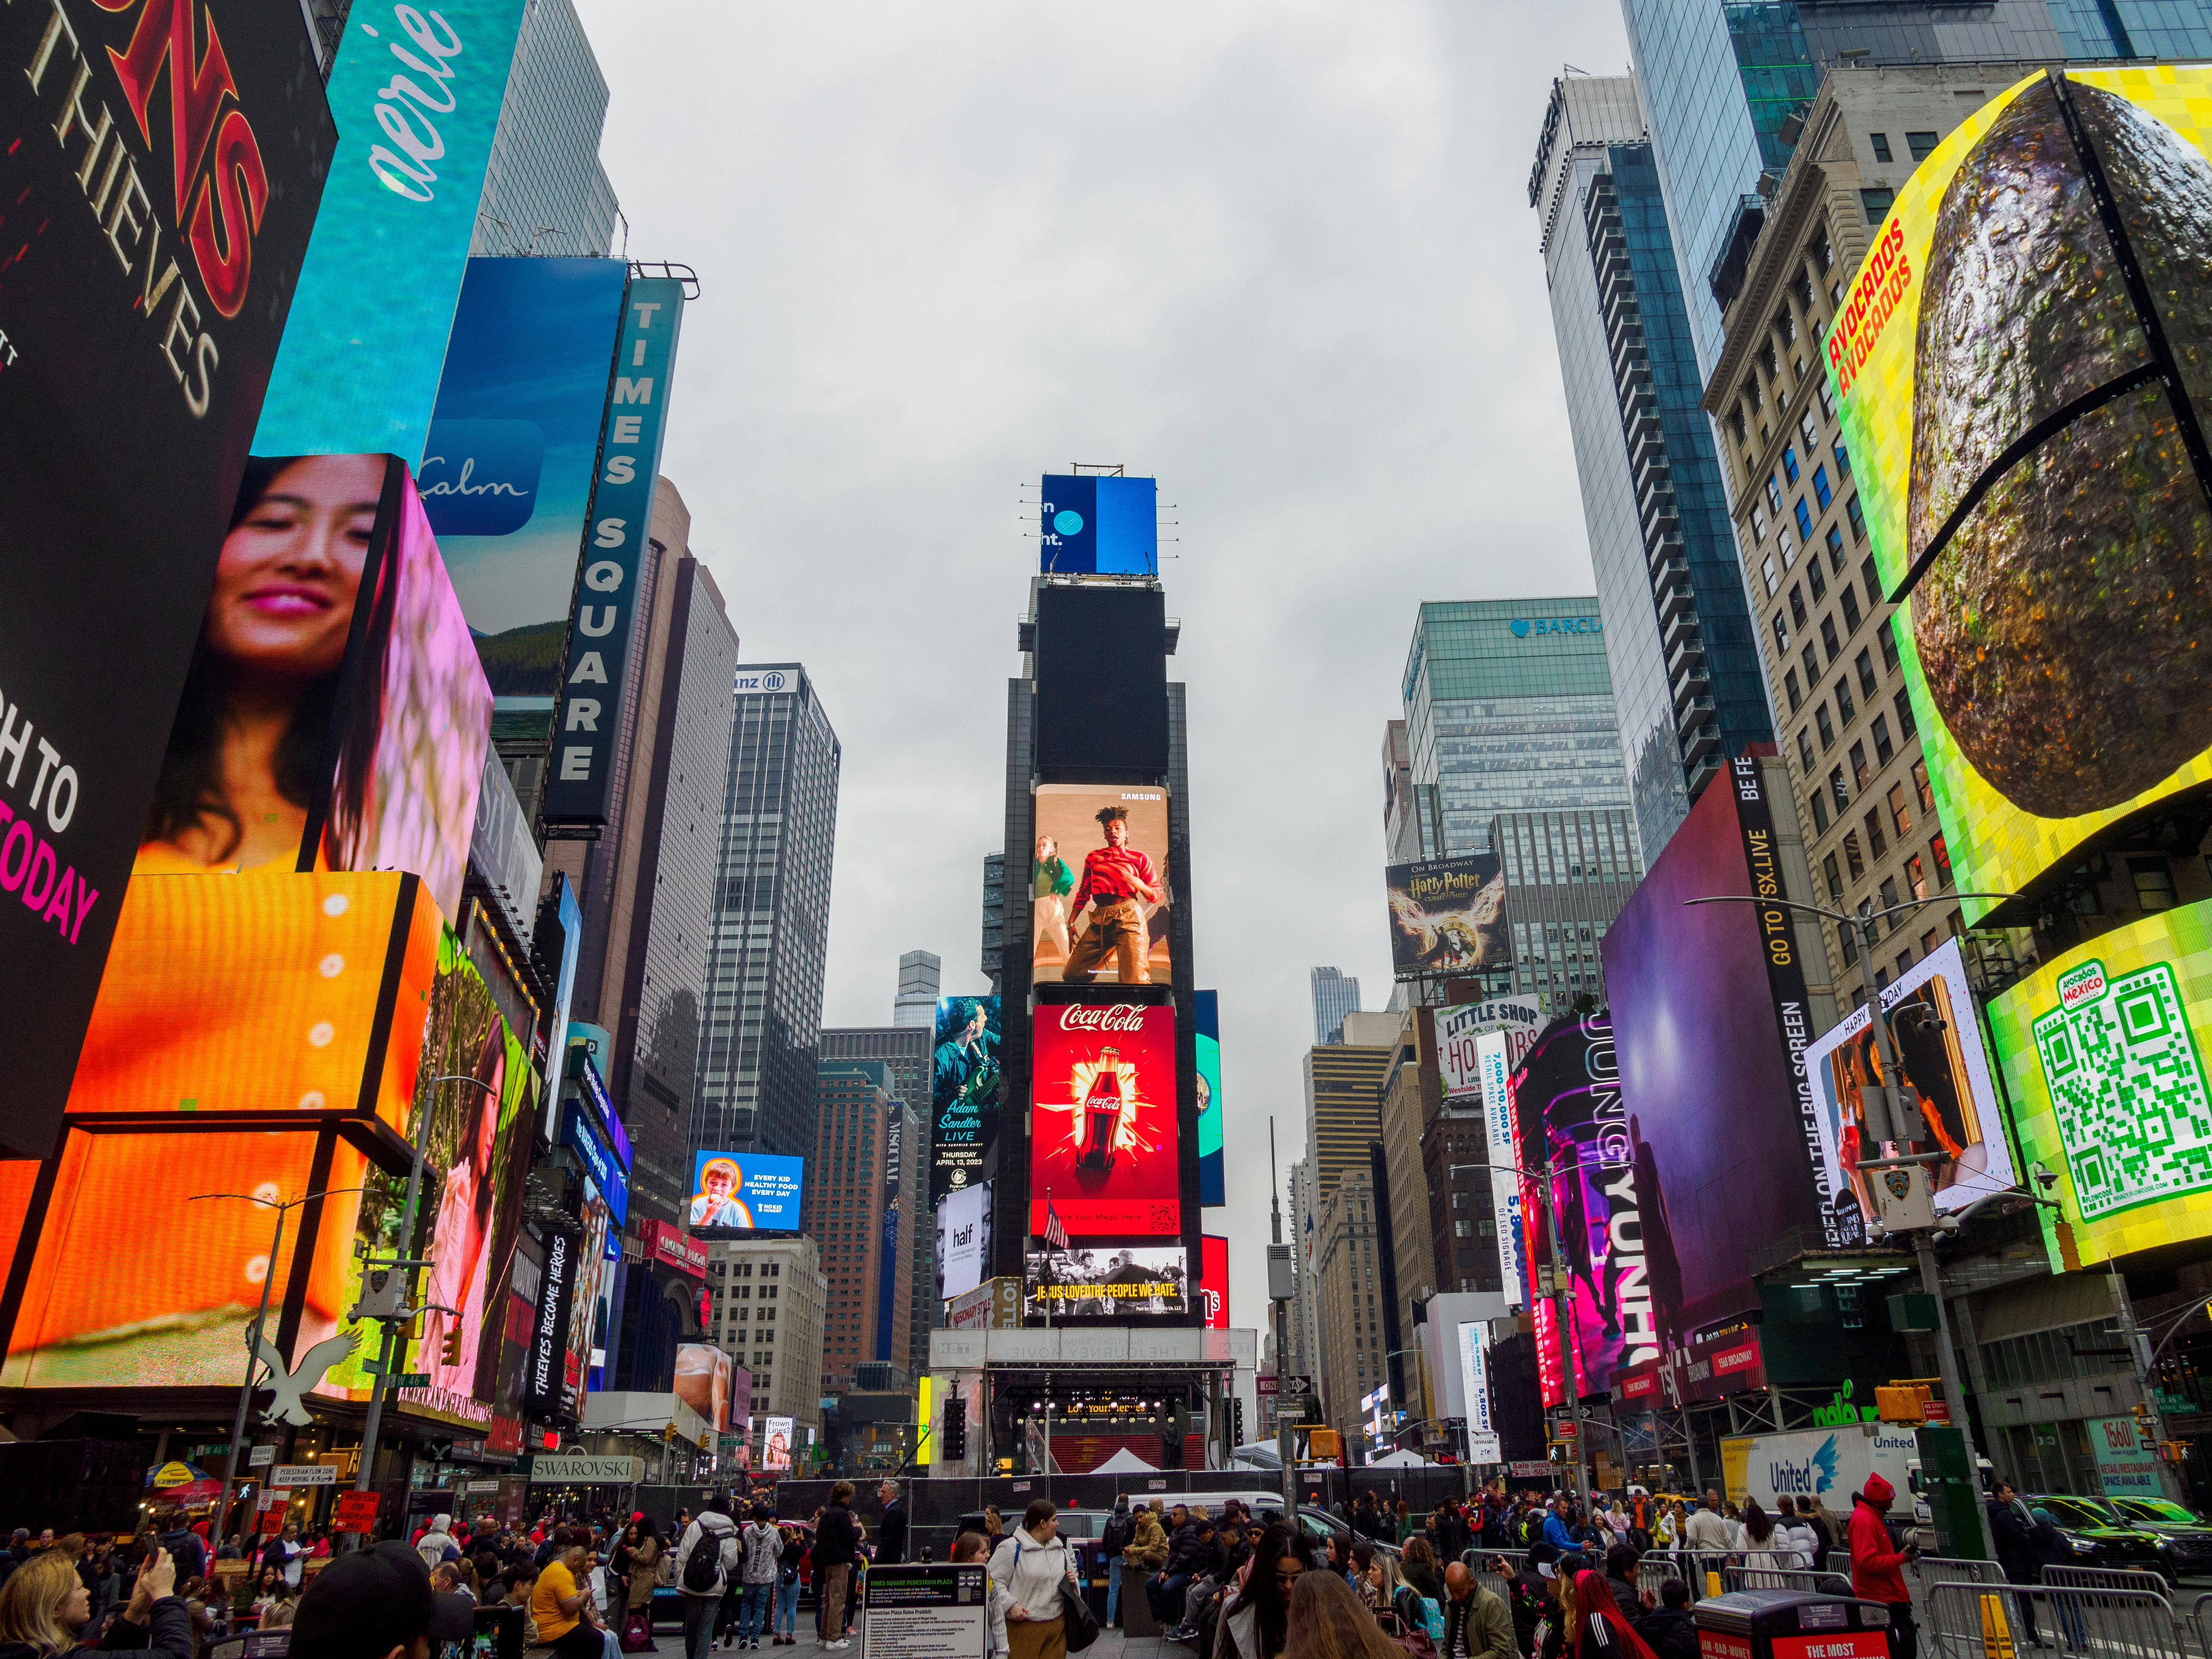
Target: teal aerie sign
x=1524, y=626
x=416, y=93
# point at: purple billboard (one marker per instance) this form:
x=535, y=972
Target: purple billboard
x=1711, y=1017
x=1576, y=1125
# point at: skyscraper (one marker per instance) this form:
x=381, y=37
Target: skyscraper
x=640, y=969
x=918, y=972
x=905, y=1050
x=763, y=1015
x=1677, y=633
x=1567, y=874
x=664, y=980
x=1335, y=995
x=544, y=192
x=1726, y=83
x=860, y=1194
x=994, y=917
x=1401, y=824
x=1508, y=705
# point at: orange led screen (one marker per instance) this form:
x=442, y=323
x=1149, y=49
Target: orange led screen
x=273, y=992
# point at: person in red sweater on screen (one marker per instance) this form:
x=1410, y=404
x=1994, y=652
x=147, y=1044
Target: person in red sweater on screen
x=1877, y=1563
x=1117, y=879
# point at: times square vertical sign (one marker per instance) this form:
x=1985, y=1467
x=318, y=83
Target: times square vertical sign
x=161, y=162
x=603, y=617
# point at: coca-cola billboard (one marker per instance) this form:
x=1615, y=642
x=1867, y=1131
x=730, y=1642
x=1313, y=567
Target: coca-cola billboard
x=1104, y=1148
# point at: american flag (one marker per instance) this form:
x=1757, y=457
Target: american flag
x=1054, y=1234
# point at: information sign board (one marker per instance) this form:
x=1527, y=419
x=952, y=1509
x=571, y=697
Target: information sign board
x=925, y=1611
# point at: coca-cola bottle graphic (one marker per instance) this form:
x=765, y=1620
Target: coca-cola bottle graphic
x=1101, y=1114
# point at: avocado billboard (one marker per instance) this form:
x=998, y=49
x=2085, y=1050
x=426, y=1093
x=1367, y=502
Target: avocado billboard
x=2023, y=363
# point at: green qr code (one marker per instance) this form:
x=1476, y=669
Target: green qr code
x=2128, y=1086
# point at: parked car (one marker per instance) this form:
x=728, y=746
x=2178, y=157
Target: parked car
x=2185, y=1538
x=2098, y=1533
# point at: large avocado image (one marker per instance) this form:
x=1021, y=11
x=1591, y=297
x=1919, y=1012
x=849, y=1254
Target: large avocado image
x=2062, y=625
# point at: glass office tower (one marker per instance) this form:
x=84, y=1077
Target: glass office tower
x=1678, y=640
x=544, y=192
x=1722, y=80
x=1509, y=705
x=762, y=1041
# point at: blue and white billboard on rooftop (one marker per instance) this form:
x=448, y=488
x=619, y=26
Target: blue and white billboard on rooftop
x=1096, y=526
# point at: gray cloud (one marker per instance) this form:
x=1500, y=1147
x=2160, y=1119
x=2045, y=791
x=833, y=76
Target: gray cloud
x=1279, y=255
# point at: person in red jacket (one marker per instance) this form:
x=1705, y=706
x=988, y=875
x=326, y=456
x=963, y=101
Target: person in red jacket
x=1876, y=1565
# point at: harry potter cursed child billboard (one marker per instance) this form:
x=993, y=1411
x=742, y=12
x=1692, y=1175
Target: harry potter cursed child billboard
x=1448, y=915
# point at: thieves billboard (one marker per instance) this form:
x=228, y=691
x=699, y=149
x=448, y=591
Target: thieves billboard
x=160, y=217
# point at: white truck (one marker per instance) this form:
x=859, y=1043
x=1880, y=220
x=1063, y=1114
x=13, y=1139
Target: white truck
x=1827, y=1465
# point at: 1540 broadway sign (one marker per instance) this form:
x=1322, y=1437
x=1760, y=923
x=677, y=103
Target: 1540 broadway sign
x=160, y=161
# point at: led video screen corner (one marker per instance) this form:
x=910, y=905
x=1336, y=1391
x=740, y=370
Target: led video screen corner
x=329, y=585
x=2029, y=475
x=1710, y=1031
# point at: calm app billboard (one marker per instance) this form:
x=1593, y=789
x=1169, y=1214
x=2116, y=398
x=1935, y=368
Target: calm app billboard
x=1099, y=526
x=506, y=474
x=417, y=93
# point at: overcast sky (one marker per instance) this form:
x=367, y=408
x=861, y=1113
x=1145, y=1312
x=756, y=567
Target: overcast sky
x=1279, y=255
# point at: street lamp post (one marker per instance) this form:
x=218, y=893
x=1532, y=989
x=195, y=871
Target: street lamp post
x=366, y=1464
x=258, y=1334
x=1895, y=1093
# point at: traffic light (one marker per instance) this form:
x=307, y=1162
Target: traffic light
x=956, y=1431
x=1236, y=1420
x=451, y=1355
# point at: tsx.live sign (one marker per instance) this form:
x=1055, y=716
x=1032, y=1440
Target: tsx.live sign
x=568, y=1469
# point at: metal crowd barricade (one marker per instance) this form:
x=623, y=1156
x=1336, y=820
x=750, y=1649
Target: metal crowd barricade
x=2200, y=1618
x=1480, y=1561
x=2105, y=1578
x=1654, y=1568
x=1969, y=1620
x=1951, y=1570
x=1839, y=1561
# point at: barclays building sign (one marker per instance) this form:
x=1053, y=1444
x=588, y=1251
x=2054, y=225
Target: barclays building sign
x=1524, y=626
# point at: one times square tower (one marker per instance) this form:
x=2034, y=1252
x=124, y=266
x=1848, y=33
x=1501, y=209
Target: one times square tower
x=1096, y=978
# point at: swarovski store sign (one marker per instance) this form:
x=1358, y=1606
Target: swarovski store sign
x=548, y=1470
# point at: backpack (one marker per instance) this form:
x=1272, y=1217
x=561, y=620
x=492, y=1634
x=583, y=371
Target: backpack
x=702, y=1568
x=1120, y=1531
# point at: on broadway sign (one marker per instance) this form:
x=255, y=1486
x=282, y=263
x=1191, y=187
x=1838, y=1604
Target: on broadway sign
x=547, y=1469
x=669, y=1247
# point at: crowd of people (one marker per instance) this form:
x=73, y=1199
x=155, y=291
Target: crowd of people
x=1581, y=1581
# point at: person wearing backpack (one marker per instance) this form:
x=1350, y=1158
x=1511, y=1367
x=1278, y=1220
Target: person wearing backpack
x=763, y=1544
x=1120, y=1533
x=705, y=1561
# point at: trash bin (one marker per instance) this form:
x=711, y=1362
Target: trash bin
x=1787, y=1624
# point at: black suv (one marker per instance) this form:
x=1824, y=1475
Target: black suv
x=2098, y=1534
x=2184, y=1541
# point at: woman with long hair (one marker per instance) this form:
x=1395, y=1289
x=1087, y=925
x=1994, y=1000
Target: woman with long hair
x=247, y=749
x=1598, y=1628
x=1418, y=1562
x=1255, y=1622
x=1328, y=1621
x=1558, y=1629
x=45, y=1608
x=1761, y=1547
